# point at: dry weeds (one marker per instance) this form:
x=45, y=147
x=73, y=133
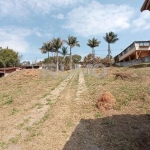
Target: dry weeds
x=70, y=124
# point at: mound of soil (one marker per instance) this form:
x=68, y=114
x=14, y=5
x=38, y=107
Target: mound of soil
x=123, y=75
x=106, y=101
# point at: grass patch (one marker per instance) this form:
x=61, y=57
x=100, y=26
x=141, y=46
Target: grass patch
x=14, y=111
x=98, y=115
x=42, y=120
x=3, y=145
x=15, y=140
x=48, y=101
x=38, y=105
x=108, y=121
x=45, y=95
x=8, y=101
x=69, y=122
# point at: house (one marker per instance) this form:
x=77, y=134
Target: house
x=30, y=67
x=146, y=5
x=9, y=70
x=6, y=71
x=137, y=50
x=1, y=73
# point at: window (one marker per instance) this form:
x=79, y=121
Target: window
x=146, y=43
x=125, y=51
x=143, y=44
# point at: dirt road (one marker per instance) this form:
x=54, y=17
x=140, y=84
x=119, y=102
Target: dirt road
x=50, y=126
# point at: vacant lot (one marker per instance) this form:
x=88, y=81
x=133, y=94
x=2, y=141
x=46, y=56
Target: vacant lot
x=40, y=112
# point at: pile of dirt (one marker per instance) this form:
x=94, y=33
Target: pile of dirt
x=125, y=75
x=122, y=75
x=106, y=101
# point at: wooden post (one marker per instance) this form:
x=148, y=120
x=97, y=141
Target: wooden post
x=136, y=55
x=129, y=58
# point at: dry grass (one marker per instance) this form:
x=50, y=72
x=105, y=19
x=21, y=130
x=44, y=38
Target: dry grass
x=133, y=103
x=76, y=120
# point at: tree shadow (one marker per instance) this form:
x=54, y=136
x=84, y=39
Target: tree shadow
x=118, y=132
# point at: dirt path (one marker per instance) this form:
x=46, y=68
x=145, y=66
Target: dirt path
x=58, y=128
x=35, y=114
x=64, y=115
x=81, y=85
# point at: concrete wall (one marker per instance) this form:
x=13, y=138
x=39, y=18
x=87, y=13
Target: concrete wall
x=133, y=62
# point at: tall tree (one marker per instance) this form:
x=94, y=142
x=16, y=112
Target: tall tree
x=72, y=42
x=64, y=51
x=110, y=38
x=9, y=58
x=76, y=59
x=57, y=44
x=93, y=43
x=47, y=47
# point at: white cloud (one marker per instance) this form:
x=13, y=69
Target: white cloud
x=16, y=38
x=22, y=8
x=96, y=18
x=59, y=16
x=143, y=22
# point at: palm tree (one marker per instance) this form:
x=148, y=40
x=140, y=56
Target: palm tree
x=72, y=42
x=93, y=43
x=57, y=44
x=110, y=38
x=47, y=47
x=64, y=51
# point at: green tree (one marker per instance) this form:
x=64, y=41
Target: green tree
x=48, y=60
x=88, y=58
x=47, y=47
x=93, y=43
x=57, y=44
x=26, y=63
x=67, y=60
x=9, y=58
x=64, y=51
x=110, y=38
x=76, y=59
x=72, y=42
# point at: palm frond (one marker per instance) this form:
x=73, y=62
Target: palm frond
x=111, y=37
x=72, y=41
x=64, y=51
x=93, y=43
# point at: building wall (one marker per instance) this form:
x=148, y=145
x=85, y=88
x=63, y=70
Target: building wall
x=144, y=54
x=137, y=49
x=1, y=74
x=133, y=62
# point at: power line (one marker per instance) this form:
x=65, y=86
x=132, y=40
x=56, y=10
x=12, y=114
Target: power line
x=85, y=52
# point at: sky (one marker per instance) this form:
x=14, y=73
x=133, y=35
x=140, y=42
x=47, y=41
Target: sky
x=26, y=24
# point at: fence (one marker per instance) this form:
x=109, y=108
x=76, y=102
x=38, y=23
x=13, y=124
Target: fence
x=133, y=62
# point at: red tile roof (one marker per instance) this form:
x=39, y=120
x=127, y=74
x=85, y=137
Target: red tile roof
x=11, y=68
x=146, y=5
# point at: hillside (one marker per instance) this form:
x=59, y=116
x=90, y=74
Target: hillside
x=38, y=111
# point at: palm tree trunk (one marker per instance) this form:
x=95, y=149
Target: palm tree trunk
x=48, y=54
x=93, y=54
x=70, y=59
x=57, y=62
x=109, y=50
